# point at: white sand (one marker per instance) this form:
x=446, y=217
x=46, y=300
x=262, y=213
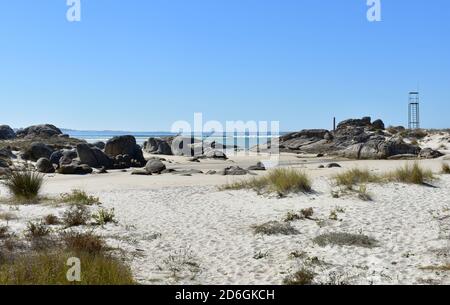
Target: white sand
x=188, y=219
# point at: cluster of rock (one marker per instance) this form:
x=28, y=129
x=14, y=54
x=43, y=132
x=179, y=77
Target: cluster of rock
x=118, y=153
x=182, y=146
x=354, y=138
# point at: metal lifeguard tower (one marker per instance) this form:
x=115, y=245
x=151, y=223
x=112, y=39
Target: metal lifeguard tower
x=413, y=111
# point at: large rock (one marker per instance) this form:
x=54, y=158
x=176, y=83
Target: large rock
x=6, y=132
x=234, y=171
x=125, y=145
x=40, y=131
x=36, y=151
x=380, y=148
x=4, y=163
x=43, y=165
x=378, y=124
x=157, y=146
x=154, y=166
x=428, y=153
x=56, y=156
x=93, y=157
x=365, y=121
x=75, y=169
x=215, y=154
x=6, y=153
x=99, y=144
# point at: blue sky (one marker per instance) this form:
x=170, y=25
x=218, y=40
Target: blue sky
x=143, y=64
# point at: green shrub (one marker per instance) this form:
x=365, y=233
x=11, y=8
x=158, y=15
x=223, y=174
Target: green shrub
x=104, y=216
x=24, y=184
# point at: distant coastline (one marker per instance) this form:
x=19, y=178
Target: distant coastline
x=92, y=136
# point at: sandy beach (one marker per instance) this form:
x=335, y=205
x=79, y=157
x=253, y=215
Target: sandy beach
x=182, y=229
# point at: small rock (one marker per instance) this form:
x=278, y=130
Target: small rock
x=332, y=165
x=155, y=166
x=43, y=165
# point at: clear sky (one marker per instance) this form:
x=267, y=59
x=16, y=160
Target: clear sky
x=140, y=65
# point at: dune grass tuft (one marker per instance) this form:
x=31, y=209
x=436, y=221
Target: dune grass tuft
x=281, y=181
x=412, y=174
x=79, y=197
x=24, y=185
x=355, y=176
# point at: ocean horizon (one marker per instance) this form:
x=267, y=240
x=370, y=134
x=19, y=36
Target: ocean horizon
x=241, y=140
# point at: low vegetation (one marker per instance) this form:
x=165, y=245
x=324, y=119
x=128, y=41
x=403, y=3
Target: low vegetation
x=301, y=277
x=445, y=168
x=36, y=230
x=79, y=197
x=275, y=228
x=50, y=268
x=355, y=176
x=83, y=242
x=345, y=239
x=24, y=185
x=51, y=220
x=104, y=216
x=282, y=181
x=412, y=174
x=77, y=215
x=304, y=214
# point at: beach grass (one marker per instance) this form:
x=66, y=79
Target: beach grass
x=24, y=185
x=281, y=181
x=355, y=176
x=411, y=174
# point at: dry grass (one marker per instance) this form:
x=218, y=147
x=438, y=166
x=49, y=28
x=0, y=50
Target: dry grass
x=445, y=168
x=77, y=215
x=83, y=242
x=4, y=232
x=355, y=176
x=79, y=197
x=281, y=181
x=275, y=228
x=51, y=220
x=50, y=268
x=36, y=230
x=304, y=213
x=412, y=174
x=345, y=239
x=437, y=268
x=24, y=185
x=301, y=277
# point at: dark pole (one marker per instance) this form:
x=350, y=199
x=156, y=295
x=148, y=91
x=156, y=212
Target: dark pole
x=334, y=124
